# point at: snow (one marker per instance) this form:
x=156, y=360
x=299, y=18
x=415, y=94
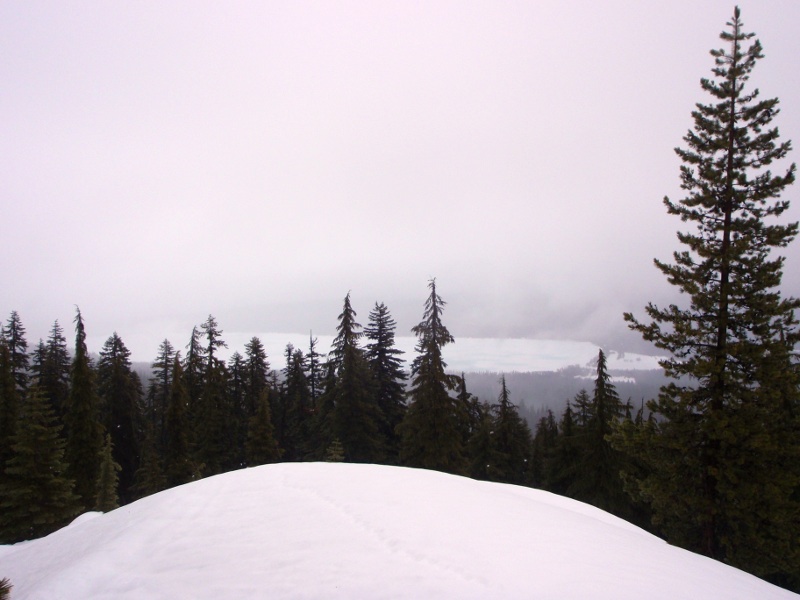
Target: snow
x=323, y=530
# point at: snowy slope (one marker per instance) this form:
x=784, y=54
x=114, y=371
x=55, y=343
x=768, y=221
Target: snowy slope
x=319, y=530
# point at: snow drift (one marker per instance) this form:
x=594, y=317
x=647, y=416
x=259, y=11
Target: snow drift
x=320, y=530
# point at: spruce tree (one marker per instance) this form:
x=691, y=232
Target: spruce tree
x=722, y=452
x=296, y=399
x=431, y=433
x=149, y=477
x=121, y=410
x=51, y=369
x=512, y=439
x=9, y=407
x=108, y=481
x=257, y=372
x=14, y=335
x=82, y=421
x=36, y=497
x=159, y=389
x=262, y=447
x=356, y=414
x=179, y=467
x=388, y=375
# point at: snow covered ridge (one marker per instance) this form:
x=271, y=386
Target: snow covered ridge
x=322, y=530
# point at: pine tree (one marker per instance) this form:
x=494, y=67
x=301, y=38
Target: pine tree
x=431, y=433
x=257, y=371
x=722, y=453
x=9, y=407
x=14, y=335
x=120, y=409
x=51, y=369
x=512, y=439
x=237, y=390
x=108, y=481
x=296, y=399
x=356, y=414
x=36, y=497
x=545, y=443
x=149, y=477
x=179, y=467
x=262, y=447
x=387, y=372
x=82, y=420
x=315, y=373
x=159, y=389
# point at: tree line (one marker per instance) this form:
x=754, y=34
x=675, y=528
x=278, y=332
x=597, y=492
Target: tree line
x=712, y=464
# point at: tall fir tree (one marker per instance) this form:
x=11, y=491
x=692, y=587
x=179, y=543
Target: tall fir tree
x=51, y=368
x=257, y=371
x=722, y=453
x=14, y=334
x=108, y=480
x=9, y=407
x=82, y=421
x=179, y=467
x=159, y=389
x=356, y=414
x=262, y=447
x=388, y=375
x=512, y=439
x=431, y=433
x=36, y=496
x=298, y=407
x=120, y=406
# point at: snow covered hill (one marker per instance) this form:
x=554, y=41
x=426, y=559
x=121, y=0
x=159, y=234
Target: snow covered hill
x=321, y=530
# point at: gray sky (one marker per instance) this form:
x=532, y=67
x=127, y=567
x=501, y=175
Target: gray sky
x=161, y=161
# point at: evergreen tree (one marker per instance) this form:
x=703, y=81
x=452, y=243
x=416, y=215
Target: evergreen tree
x=512, y=439
x=565, y=460
x=431, y=433
x=9, y=407
x=82, y=421
x=36, y=496
x=212, y=430
x=108, y=481
x=484, y=458
x=194, y=369
x=14, y=335
x=262, y=447
x=545, y=443
x=387, y=372
x=159, y=389
x=722, y=453
x=315, y=373
x=179, y=467
x=296, y=399
x=149, y=477
x=257, y=372
x=237, y=389
x=356, y=414
x=120, y=409
x=51, y=369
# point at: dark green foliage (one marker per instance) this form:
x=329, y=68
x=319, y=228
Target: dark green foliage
x=315, y=371
x=149, y=477
x=51, y=369
x=5, y=588
x=159, y=389
x=335, y=452
x=14, y=335
x=262, y=447
x=179, y=468
x=545, y=444
x=82, y=420
x=432, y=431
x=722, y=470
x=356, y=414
x=565, y=457
x=388, y=375
x=256, y=375
x=512, y=439
x=194, y=368
x=119, y=395
x=237, y=387
x=484, y=457
x=9, y=407
x=297, y=406
x=108, y=482
x=212, y=422
x=36, y=496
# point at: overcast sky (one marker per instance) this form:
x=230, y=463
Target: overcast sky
x=163, y=161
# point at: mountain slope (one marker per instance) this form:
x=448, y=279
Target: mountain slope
x=319, y=530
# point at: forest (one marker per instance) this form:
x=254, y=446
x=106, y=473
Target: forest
x=711, y=464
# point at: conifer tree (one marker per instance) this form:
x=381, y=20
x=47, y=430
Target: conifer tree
x=14, y=335
x=388, y=375
x=512, y=439
x=356, y=414
x=9, y=407
x=431, y=433
x=194, y=369
x=236, y=393
x=296, y=399
x=36, y=496
x=120, y=409
x=179, y=467
x=545, y=442
x=722, y=453
x=315, y=372
x=262, y=447
x=149, y=477
x=51, y=368
x=82, y=421
x=257, y=371
x=159, y=389
x=108, y=481
x=483, y=455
